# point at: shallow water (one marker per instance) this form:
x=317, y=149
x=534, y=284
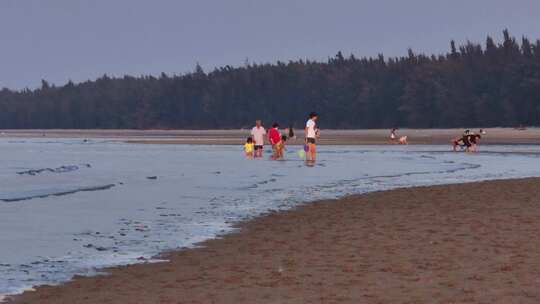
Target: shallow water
x=68, y=206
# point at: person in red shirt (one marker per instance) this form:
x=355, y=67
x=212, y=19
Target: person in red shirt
x=274, y=137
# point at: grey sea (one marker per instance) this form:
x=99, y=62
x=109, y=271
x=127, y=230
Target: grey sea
x=70, y=206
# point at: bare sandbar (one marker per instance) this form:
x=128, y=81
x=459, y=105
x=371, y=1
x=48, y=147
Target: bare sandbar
x=467, y=243
x=328, y=137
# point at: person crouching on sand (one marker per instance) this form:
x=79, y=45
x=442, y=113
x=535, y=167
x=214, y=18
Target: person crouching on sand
x=280, y=147
x=403, y=140
x=249, y=147
x=469, y=141
x=274, y=137
x=474, y=139
x=458, y=142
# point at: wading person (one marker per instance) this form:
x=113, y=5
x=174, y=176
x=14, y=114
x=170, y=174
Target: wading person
x=249, y=147
x=274, y=137
x=311, y=137
x=258, y=132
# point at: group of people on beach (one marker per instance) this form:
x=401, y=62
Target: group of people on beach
x=254, y=146
x=468, y=141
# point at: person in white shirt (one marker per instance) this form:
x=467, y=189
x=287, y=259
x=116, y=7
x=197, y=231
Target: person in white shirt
x=393, y=135
x=258, y=133
x=311, y=134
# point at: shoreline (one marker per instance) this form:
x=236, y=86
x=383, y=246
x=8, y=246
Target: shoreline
x=267, y=258
x=237, y=137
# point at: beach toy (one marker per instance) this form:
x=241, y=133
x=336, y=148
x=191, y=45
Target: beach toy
x=301, y=154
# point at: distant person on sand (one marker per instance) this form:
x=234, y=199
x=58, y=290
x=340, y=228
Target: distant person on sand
x=474, y=139
x=458, y=142
x=274, y=137
x=468, y=140
x=311, y=137
x=249, y=146
x=403, y=140
x=258, y=132
x=462, y=142
x=291, y=132
x=393, y=135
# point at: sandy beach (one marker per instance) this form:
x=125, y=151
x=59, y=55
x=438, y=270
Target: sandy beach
x=467, y=243
x=328, y=137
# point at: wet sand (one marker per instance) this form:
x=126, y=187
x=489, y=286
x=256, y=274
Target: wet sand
x=468, y=243
x=331, y=137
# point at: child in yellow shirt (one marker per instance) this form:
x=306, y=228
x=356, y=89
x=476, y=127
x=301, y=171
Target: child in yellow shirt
x=249, y=147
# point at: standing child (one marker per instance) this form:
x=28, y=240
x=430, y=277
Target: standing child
x=249, y=147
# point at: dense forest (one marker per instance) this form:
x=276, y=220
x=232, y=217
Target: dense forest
x=474, y=85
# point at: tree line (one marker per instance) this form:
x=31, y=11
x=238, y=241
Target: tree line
x=472, y=85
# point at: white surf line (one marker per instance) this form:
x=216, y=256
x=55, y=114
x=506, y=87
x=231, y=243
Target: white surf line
x=5, y=297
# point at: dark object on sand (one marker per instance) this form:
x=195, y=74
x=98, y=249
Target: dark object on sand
x=291, y=131
x=151, y=177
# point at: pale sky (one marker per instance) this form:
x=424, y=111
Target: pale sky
x=58, y=40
